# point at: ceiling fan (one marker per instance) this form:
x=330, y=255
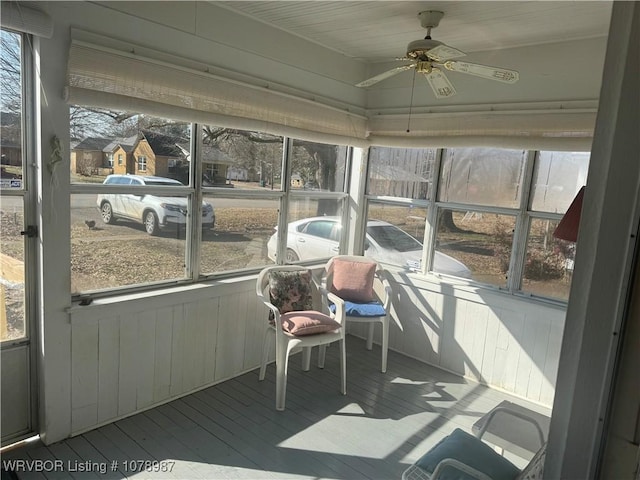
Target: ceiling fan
x=431, y=58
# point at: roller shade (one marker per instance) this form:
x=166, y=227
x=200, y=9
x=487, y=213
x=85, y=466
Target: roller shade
x=115, y=79
x=544, y=129
x=18, y=17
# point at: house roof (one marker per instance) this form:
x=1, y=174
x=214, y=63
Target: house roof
x=127, y=144
x=211, y=154
x=164, y=145
x=93, y=143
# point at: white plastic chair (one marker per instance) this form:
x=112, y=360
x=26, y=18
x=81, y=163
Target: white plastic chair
x=285, y=341
x=382, y=292
x=533, y=470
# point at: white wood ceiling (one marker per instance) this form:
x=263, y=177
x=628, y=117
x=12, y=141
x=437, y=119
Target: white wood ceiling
x=379, y=31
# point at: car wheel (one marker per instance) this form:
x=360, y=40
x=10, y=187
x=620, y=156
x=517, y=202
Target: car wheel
x=107, y=213
x=151, y=223
x=291, y=256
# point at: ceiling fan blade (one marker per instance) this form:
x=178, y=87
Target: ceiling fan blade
x=384, y=75
x=484, y=71
x=444, y=52
x=440, y=84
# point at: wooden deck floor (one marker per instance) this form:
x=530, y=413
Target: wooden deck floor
x=232, y=430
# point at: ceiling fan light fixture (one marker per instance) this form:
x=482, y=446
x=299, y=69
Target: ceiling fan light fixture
x=424, y=67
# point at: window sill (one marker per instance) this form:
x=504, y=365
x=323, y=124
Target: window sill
x=108, y=306
x=469, y=290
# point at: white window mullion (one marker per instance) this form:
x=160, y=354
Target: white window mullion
x=523, y=220
x=355, y=212
x=430, y=229
x=194, y=219
x=283, y=217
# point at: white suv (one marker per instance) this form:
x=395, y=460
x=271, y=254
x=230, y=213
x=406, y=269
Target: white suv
x=152, y=211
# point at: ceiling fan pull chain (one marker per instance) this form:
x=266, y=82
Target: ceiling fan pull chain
x=413, y=85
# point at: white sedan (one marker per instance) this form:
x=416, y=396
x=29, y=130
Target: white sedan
x=318, y=237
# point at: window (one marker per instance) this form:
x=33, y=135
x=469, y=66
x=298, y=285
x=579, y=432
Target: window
x=548, y=263
x=12, y=188
x=315, y=228
x=316, y=200
x=244, y=235
x=318, y=166
x=396, y=225
x=394, y=234
x=110, y=159
x=128, y=230
x=481, y=226
x=489, y=219
x=133, y=230
x=557, y=178
x=482, y=176
x=482, y=241
x=548, y=266
x=401, y=172
x=142, y=163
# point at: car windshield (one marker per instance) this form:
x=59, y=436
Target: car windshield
x=392, y=238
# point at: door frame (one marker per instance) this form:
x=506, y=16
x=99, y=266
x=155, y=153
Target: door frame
x=30, y=169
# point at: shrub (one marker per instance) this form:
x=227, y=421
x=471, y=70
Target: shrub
x=544, y=265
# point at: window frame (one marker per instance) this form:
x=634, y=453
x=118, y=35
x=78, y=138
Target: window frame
x=194, y=192
x=522, y=214
x=141, y=162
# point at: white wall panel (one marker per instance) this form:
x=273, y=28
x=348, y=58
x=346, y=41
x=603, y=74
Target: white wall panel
x=231, y=334
x=177, y=347
x=152, y=351
x=108, y=368
x=209, y=308
x=163, y=354
x=138, y=352
x=491, y=344
x=129, y=357
x=84, y=376
x=14, y=377
x=508, y=342
x=193, y=353
x=146, y=343
x=257, y=316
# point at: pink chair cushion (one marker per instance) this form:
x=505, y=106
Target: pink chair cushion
x=353, y=280
x=308, y=322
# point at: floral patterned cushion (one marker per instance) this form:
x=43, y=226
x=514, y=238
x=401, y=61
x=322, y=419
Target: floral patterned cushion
x=290, y=291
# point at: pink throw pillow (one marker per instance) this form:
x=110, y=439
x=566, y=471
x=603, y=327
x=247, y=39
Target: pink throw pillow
x=353, y=281
x=301, y=323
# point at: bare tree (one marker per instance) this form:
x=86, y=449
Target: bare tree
x=11, y=90
x=10, y=72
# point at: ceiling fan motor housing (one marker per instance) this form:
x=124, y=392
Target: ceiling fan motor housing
x=419, y=48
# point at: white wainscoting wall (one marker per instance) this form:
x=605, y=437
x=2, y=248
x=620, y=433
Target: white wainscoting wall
x=135, y=353
x=506, y=341
x=132, y=353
